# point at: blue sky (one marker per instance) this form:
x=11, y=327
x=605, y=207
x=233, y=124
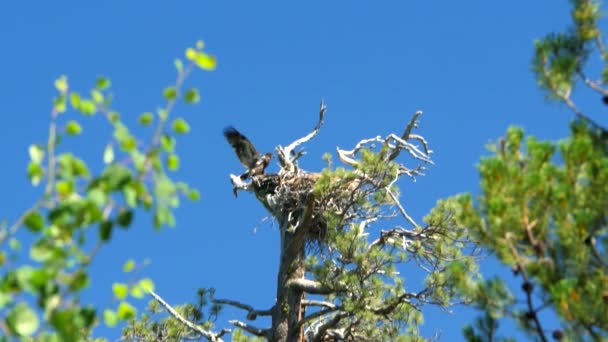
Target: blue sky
x=466, y=64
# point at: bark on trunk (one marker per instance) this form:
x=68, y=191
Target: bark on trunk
x=288, y=309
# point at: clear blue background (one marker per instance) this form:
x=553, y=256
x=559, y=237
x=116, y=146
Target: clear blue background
x=466, y=64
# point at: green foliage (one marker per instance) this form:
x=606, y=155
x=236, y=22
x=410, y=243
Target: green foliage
x=542, y=210
x=51, y=266
x=547, y=221
x=361, y=271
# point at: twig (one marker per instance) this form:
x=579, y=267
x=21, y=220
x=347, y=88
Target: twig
x=213, y=337
x=527, y=287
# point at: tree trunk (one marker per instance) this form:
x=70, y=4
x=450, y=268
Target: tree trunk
x=288, y=309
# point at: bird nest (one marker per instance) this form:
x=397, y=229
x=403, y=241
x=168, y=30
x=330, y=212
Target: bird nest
x=291, y=200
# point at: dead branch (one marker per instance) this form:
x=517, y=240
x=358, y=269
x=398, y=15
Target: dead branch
x=287, y=157
x=322, y=329
x=251, y=329
x=322, y=303
x=211, y=336
x=251, y=312
x=315, y=316
x=308, y=286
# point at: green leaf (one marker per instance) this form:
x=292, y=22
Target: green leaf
x=97, y=196
x=126, y=311
x=201, y=59
x=130, y=195
x=146, y=118
x=128, y=266
x=116, y=177
x=73, y=128
x=102, y=83
x=14, y=244
x=87, y=107
x=113, y=117
x=110, y=318
x=163, y=216
x=61, y=84
x=97, y=96
x=22, y=320
x=180, y=126
x=64, y=188
x=105, y=230
x=41, y=251
x=34, y=221
x=192, y=96
x=137, y=292
x=108, y=154
x=173, y=162
x=35, y=173
x=170, y=93
x=59, y=104
x=194, y=195
x=80, y=280
x=124, y=218
x=75, y=100
x=120, y=290
x=146, y=284
x=36, y=153
x=5, y=299
x=167, y=142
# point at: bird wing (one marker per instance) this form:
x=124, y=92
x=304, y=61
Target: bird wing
x=244, y=149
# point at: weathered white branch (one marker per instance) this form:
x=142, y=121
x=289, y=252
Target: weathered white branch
x=401, y=209
x=314, y=316
x=251, y=312
x=251, y=329
x=322, y=303
x=308, y=286
x=286, y=155
x=322, y=329
x=211, y=336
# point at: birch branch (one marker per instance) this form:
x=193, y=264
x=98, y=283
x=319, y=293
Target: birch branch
x=211, y=336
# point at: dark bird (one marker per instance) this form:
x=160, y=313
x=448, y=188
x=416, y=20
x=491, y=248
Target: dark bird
x=248, y=155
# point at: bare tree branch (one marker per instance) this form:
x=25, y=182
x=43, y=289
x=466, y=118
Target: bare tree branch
x=211, y=336
x=251, y=312
x=251, y=329
x=322, y=329
x=310, y=302
x=314, y=316
x=286, y=155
